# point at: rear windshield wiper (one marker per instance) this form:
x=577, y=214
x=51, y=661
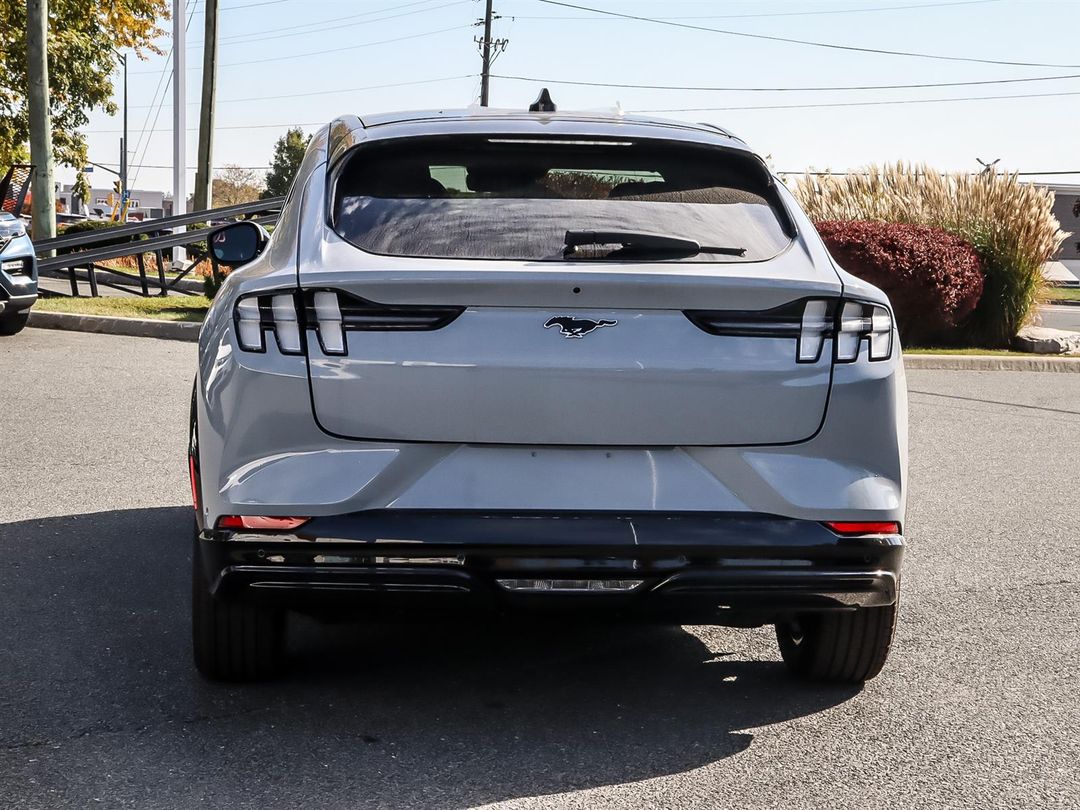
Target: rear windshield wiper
x=635, y=242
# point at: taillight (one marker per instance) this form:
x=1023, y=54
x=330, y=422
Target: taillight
x=257, y=314
x=261, y=522
x=815, y=327
x=850, y=528
x=810, y=321
x=858, y=321
x=332, y=313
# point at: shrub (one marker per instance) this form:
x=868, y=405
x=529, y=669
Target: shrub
x=1010, y=224
x=932, y=278
x=88, y=225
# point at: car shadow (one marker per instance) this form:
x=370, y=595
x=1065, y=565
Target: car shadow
x=96, y=664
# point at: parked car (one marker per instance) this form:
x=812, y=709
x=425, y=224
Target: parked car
x=545, y=361
x=18, y=274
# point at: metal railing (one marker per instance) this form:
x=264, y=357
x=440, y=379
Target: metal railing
x=85, y=251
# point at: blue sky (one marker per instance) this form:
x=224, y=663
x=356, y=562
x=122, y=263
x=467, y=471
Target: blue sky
x=306, y=61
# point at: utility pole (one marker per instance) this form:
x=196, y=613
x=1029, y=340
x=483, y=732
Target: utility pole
x=43, y=206
x=204, y=184
x=179, y=84
x=485, y=48
x=124, y=190
x=489, y=50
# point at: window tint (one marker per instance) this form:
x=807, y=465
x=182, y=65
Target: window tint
x=501, y=198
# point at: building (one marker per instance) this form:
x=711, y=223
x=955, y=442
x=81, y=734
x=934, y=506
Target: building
x=1064, y=268
x=142, y=204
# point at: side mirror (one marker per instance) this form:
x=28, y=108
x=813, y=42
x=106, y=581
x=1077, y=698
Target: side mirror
x=237, y=243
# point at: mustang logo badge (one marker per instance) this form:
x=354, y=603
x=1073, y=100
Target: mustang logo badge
x=576, y=327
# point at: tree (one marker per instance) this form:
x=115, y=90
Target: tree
x=81, y=41
x=234, y=185
x=81, y=188
x=288, y=152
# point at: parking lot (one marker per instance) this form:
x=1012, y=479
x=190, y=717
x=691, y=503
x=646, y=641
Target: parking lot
x=100, y=705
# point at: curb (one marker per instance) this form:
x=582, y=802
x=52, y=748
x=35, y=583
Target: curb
x=189, y=332
x=1063, y=302
x=111, y=325
x=193, y=285
x=974, y=362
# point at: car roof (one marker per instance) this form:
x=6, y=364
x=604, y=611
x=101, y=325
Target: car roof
x=615, y=118
x=347, y=131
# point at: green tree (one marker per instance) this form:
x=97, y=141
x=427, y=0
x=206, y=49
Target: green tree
x=234, y=185
x=288, y=152
x=81, y=188
x=82, y=40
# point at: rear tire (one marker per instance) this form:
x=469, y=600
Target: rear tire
x=232, y=640
x=14, y=322
x=841, y=647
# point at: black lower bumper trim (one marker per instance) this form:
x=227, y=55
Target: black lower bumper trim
x=684, y=564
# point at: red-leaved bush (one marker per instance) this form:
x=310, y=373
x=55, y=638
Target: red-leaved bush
x=932, y=278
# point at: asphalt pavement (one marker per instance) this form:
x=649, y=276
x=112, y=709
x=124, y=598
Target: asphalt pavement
x=1058, y=316
x=100, y=706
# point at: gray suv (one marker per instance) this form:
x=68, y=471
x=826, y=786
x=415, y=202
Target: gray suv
x=18, y=275
x=545, y=362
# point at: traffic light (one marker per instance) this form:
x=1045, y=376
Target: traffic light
x=117, y=187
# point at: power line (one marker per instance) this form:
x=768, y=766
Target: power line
x=779, y=13
x=783, y=89
x=198, y=3
x=395, y=7
x=718, y=109
x=244, y=39
x=336, y=91
x=338, y=50
x=231, y=126
x=348, y=47
x=144, y=138
x=860, y=103
x=791, y=41
x=971, y=174
x=191, y=168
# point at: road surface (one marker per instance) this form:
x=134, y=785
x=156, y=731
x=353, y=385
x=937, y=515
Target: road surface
x=99, y=705
x=1058, y=316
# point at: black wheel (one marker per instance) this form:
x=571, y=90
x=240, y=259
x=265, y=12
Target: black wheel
x=233, y=641
x=847, y=647
x=14, y=322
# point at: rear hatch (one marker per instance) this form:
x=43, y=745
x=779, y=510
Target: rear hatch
x=451, y=304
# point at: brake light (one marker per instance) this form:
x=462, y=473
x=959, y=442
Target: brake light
x=277, y=313
x=261, y=522
x=858, y=321
x=810, y=321
x=815, y=327
x=332, y=313
x=848, y=528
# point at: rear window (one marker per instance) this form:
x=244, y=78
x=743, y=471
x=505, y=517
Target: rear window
x=516, y=198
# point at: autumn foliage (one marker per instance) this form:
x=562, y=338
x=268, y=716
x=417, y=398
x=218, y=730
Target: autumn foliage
x=932, y=278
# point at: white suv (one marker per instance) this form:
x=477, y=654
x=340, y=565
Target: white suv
x=545, y=361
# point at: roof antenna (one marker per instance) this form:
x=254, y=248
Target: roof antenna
x=543, y=102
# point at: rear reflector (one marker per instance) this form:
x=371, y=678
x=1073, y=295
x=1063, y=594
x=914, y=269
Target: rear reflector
x=853, y=529
x=193, y=474
x=260, y=522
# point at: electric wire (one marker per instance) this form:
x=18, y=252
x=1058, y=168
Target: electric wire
x=793, y=41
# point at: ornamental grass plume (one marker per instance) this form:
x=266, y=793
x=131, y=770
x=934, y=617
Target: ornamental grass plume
x=1009, y=222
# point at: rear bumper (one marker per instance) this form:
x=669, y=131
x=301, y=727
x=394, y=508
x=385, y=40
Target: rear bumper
x=691, y=567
